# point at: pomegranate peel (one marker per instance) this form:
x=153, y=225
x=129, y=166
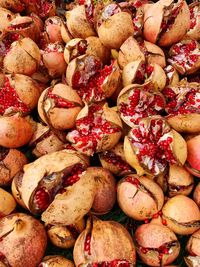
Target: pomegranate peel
x=8, y=203
x=55, y=261
x=193, y=32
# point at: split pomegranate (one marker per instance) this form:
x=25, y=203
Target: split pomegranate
x=28, y=238
x=141, y=193
x=172, y=75
x=156, y=244
x=139, y=101
x=182, y=106
x=151, y=145
x=185, y=56
x=52, y=28
x=193, y=157
x=194, y=30
x=193, y=244
x=104, y=243
x=16, y=188
x=14, y=5
x=7, y=203
x=182, y=215
x=43, y=8
x=6, y=17
x=166, y=22
x=59, y=106
x=98, y=128
x=55, y=261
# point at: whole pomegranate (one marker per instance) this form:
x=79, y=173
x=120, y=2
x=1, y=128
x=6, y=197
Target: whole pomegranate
x=151, y=145
x=156, y=244
x=104, y=242
x=59, y=106
x=7, y=203
x=196, y=195
x=11, y=162
x=28, y=238
x=193, y=244
x=55, y=261
x=98, y=128
x=143, y=194
x=193, y=158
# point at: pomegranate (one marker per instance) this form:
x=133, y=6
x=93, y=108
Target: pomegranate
x=14, y=5
x=151, y=145
x=192, y=261
x=139, y=72
x=185, y=56
x=194, y=31
x=19, y=93
x=182, y=215
x=78, y=24
x=139, y=101
x=16, y=189
x=143, y=194
x=65, y=236
x=104, y=243
x=62, y=190
x=98, y=128
x=177, y=181
x=46, y=140
x=105, y=195
x=6, y=17
x=193, y=244
x=193, y=157
x=52, y=28
x=114, y=26
x=53, y=59
x=23, y=57
x=15, y=131
x=11, y=162
x=55, y=261
x=59, y=106
x=156, y=244
x=7, y=203
x=196, y=194
x=28, y=238
x=172, y=75
x=114, y=160
x=182, y=106
x=43, y=8
x=132, y=50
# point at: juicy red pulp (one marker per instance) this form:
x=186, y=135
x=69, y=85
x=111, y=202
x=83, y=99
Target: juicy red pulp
x=5, y=44
x=143, y=73
x=193, y=16
x=9, y=100
x=59, y=101
x=20, y=26
x=87, y=244
x=132, y=180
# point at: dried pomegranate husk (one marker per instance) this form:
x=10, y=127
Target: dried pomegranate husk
x=182, y=106
x=19, y=93
x=196, y=194
x=23, y=57
x=166, y=22
x=193, y=159
x=11, y=162
x=16, y=189
x=55, y=261
x=65, y=236
x=138, y=72
x=132, y=50
x=104, y=242
x=172, y=75
x=156, y=244
x=15, y=131
x=7, y=203
x=78, y=24
x=98, y=128
x=46, y=140
x=5, y=17
x=114, y=26
x=13, y=5
x=114, y=160
x=143, y=194
x=185, y=56
x=194, y=31
x=151, y=145
x=193, y=244
x=139, y=101
x=28, y=238
x=53, y=59
x=182, y=215
x=59, y=106
x=105, y=195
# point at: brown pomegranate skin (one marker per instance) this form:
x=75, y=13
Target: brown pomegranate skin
x=193, y=244
x=58, y=106
x=27, y=236
x=193, y=157
x=10, y=164
x=105, y=195
x=7, y=203
x=156, y=244
x=15, y=131
x=104, y=241
x=55, y=261
x=182, y=215
x=23, y=57
x=196, y=194
x=65, y=236
x=141, y=193
x=194, y=31
x=52, y=28
x=6, y=17
x=16, y=189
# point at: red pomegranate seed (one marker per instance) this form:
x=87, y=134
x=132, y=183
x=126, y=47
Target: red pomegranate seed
x=144, y=250
x=87, y=244
x=164, y=222
x=59, y=101
x=41, y=199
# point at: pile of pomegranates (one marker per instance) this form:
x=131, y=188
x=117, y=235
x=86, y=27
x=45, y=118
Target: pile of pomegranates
x=99, y=133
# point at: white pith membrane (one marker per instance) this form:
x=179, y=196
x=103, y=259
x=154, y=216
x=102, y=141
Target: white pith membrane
x=91, y=130
x=169, y=71
x=194, y=14
x=152, y=141
x=184, y=55
x=53, y=47
x=182, y=99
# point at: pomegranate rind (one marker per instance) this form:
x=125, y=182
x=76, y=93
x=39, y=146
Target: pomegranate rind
x=16, y=189
x=195, y=32
x=155, y=54
x=5, y=17
x=193, y=244
x=7, y=203
x=56, y=261
x=179, y=147
x=185, y=123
